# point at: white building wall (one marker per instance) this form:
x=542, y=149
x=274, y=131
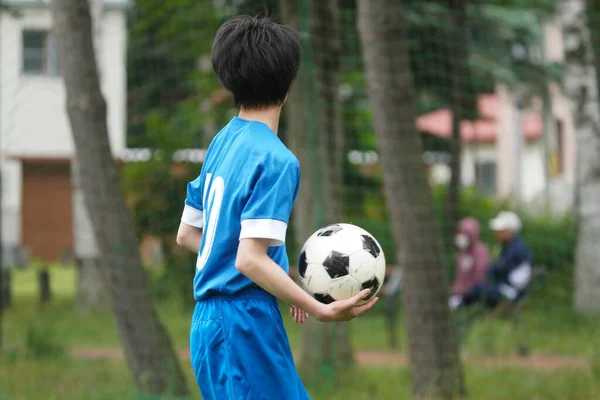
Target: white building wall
x=34, y=122
x=532, y=173
x=472, y=155
x=33, y=119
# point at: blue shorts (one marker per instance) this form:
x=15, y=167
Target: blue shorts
x=240, y=351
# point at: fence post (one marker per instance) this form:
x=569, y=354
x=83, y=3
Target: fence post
x=44, y=285
x=5, y=288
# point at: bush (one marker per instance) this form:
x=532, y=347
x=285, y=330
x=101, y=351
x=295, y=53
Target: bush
x=552, y=239
x=552, y=242
x=43, y=343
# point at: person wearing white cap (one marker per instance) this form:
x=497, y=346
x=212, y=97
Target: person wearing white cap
x=509, y=275
x=506, y=225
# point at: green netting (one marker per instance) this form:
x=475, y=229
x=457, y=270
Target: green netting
x=497, y=72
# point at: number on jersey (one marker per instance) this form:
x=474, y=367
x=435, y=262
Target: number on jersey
x=213, y=199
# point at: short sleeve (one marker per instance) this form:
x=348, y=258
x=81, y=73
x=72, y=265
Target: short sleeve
x=273, y=193
x=193, y=214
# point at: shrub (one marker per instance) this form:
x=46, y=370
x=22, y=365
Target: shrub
x=43, y=343
x=552, y=239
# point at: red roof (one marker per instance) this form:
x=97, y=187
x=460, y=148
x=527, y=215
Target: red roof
x=439, y=122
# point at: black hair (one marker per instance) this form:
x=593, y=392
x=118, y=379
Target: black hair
x=256, y=59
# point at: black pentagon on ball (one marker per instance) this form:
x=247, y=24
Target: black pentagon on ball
x=324, y=298
x=302, y=264
x=370, y=245
x=372, y=284
x=330, y=230
x=336, y=264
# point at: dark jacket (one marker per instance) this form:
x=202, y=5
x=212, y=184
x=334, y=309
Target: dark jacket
x=513, y=255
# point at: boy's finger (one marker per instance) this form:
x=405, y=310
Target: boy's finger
x=353, y=301
x=359, y=310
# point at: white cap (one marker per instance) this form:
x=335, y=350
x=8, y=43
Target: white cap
x=506, y=221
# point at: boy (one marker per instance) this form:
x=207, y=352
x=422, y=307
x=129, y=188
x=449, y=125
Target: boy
x=235, y=217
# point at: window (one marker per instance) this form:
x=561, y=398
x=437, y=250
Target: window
x=39, y=53
x=486, y=178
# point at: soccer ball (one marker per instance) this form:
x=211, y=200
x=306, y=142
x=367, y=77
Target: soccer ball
x=340, y=260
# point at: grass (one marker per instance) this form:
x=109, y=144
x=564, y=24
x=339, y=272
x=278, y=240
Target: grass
x=25, y=379
x=31, y=367
x=551, y=330
x=97, y=329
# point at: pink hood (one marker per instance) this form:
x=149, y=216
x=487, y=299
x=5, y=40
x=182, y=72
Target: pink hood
x=470, y=227
x=472, y=262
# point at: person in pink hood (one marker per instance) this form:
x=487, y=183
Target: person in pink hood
x=472, y=261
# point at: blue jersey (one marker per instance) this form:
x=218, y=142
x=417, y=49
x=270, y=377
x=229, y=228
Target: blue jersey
x=246, y=189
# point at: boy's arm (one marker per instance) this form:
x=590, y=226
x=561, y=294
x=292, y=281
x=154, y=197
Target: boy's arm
x=189, y=237
x=254, y=262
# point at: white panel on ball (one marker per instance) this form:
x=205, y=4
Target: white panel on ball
x=380, y=268
x=317, y=249
x=344, y=287
x=316, y=279
x=362, y=266
x=347, y=241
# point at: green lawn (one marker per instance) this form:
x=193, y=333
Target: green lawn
x=24, y=379
x=552, y=330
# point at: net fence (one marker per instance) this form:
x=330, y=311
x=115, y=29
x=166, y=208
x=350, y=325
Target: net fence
x=484, y=122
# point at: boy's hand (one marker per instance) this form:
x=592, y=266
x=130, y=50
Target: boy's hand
x=347, y=309
x=299, y=315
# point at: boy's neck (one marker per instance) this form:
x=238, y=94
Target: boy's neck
x=269, y=116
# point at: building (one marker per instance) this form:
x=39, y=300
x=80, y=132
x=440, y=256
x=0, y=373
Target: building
x=36, y=147
x=512, y=153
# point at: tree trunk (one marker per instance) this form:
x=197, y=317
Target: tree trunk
x=459, y=78
x=90, y=292
x=2, y=295
x=433, y=349
x=593, y=15
x=3, y=8
x=581, y=83
x=326, y=49
x=316, y=137
x=146, y=344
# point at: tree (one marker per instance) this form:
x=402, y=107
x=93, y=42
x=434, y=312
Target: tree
x=462, y=104
x=581, y=83
x=169, y=73
x=3, y=8
x=90, y=292
x=154, y=189
x=314, y=120
x=446, y=79
x=147, y=346
x=433, y=349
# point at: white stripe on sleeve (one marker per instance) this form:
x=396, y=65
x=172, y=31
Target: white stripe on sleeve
x=264, y=229
x=192, y=217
